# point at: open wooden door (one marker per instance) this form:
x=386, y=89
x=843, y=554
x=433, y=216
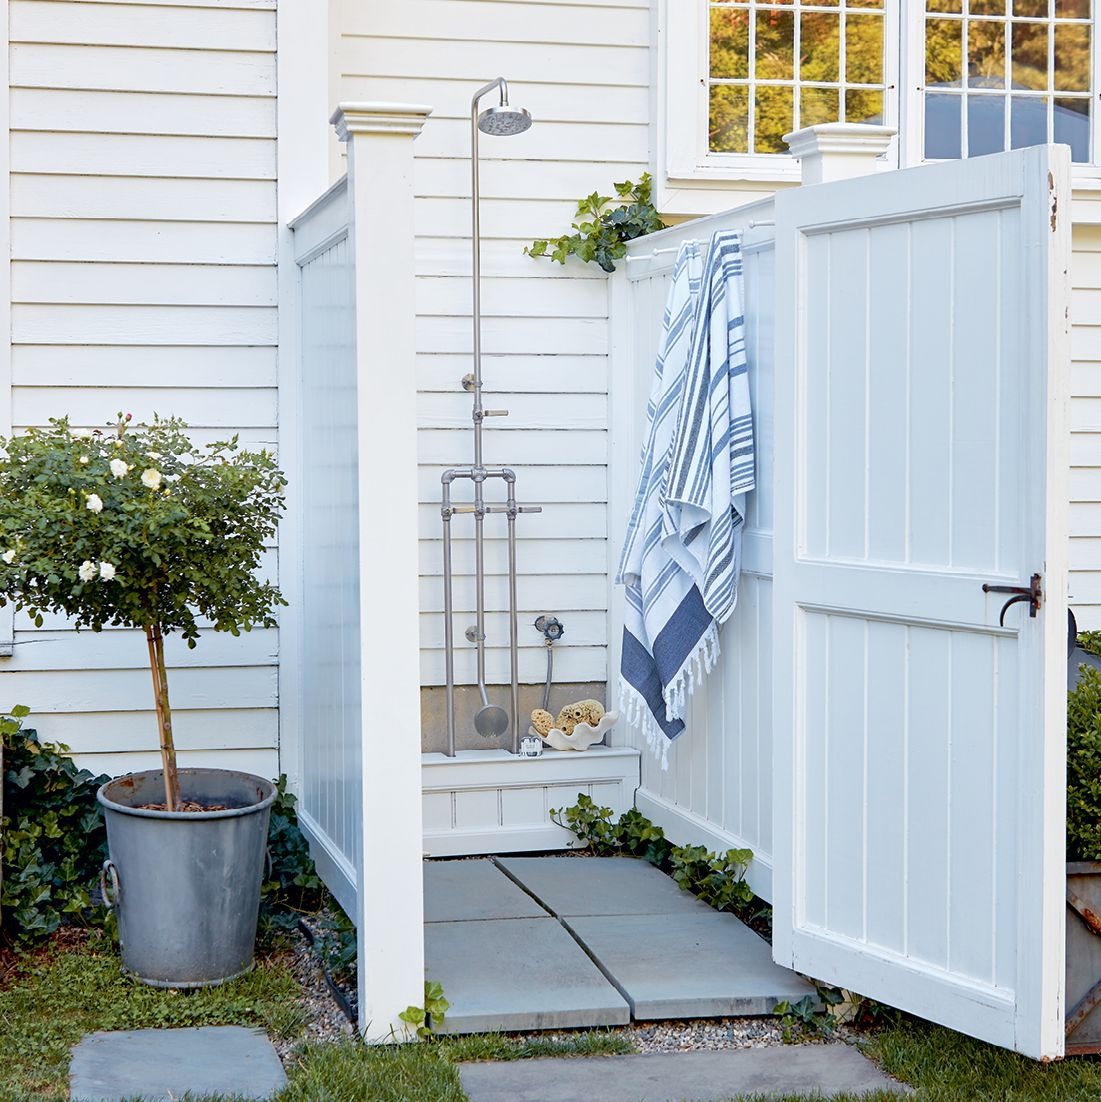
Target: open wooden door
x=921, y=393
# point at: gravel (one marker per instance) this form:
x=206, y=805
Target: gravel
x=325, y=1021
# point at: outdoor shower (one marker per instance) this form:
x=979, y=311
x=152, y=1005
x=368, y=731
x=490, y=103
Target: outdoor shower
x=490, y=720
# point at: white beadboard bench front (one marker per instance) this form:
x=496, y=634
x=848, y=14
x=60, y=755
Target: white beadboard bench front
x=489, y=801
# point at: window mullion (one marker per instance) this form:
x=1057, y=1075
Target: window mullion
x=751, y=95
x=796, y=69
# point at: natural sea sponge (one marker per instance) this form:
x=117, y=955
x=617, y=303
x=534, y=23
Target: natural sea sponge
x=542, y=721
x=583, y=711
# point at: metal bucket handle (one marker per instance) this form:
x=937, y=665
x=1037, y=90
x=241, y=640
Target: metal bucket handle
x=111, y=901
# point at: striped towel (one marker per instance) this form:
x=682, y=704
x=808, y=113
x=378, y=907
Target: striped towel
x=670, y=635
x=711, y=464
x=664, y=614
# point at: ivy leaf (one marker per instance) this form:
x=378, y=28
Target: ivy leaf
x=602, y=231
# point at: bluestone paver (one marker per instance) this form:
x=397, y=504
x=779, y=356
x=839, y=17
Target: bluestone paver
x=817, y=1070
x=456, y=891
x=569, y=886
x=162, y=1064
x=706, y=965
x=517, y=973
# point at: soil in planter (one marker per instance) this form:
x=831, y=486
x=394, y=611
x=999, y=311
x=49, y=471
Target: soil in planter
x=188, y=806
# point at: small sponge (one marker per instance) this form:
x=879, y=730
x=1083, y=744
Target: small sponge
x=542, y=721
x=584, y=711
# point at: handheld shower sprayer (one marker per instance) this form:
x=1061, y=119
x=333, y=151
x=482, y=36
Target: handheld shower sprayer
x=490, y=721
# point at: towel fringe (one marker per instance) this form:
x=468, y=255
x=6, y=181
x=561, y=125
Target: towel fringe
x=700, y=662
x=637, y=714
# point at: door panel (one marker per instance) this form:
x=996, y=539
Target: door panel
x=920, y=746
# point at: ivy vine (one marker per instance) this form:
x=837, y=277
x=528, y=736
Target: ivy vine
x=604, y=225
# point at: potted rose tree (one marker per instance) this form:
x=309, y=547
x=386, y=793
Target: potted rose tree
x=136, y=527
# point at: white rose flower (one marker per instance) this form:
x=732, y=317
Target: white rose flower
x=9, y=556
x=95, y=503
x=151, y=477
x=87, y=571
x=118, y=468
x=84, y=461
x=106, y=571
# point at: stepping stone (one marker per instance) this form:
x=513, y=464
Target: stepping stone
x=816, y=1070
x=569, y=886
x=692, y=966
x=456, y=891
x=163, y=1064
x=517, y=973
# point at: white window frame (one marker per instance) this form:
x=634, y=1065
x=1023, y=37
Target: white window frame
x=912, y=120
x=692, y=180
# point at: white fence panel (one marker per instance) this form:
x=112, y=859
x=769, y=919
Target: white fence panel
x=717, y=790
x=331, y=767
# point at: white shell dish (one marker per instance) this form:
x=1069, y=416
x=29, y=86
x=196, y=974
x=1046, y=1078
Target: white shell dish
x=583, y=735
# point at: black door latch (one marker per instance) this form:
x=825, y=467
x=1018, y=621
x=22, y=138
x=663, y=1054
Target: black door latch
x=1032, y=593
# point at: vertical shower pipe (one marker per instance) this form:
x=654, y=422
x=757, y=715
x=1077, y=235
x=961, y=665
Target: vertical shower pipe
x=478, y=472
x=479, y=412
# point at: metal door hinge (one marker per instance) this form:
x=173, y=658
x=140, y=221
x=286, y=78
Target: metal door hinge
x=1031, y=593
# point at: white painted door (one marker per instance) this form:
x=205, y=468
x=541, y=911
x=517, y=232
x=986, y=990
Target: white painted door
x=921, y=393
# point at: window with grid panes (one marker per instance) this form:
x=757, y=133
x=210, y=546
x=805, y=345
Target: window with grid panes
x=776, y=66
x=1001, y=74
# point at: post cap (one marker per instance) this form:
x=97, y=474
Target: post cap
x=378, y=117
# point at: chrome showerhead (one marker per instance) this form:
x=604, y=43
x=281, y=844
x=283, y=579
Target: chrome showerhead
x=504, y=121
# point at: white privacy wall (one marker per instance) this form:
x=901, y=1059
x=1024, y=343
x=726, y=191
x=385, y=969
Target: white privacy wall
x=583, y=71
x=717, y=790
x=143, y=279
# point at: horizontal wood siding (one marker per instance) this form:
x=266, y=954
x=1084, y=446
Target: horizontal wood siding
x=1085, y=415
x=582, y=69
x=143, y=279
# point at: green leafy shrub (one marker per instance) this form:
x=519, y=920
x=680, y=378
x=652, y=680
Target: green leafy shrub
x=1090, y=642
x=52, y=834
x=604, y=225
x=716, y=878
x=1084, y=768
x=292, y=886
x=137, y=527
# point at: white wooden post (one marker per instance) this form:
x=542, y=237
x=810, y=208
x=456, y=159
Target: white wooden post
x=390, y=916
x=838, y=150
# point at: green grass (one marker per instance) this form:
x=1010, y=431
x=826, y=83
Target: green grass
x=65, y=993
x=946, y=1066
x=352, y=1072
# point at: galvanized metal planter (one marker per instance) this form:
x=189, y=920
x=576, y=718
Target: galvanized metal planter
x=185, y=886
x=1083, y=957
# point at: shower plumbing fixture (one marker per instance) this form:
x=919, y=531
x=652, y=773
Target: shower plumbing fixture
x=490, y=720
x=552, y=630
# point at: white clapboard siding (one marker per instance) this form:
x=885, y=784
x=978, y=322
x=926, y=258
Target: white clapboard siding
x=1085, y=417
x=206, y=366
x=143, y=204
x=532, y=374
x=583, y=70
x=137, y=113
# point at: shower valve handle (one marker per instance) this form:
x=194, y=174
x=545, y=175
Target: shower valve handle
x=530, y=509
x=494, y=412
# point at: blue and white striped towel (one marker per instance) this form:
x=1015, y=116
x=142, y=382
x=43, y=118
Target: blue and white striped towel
x=670, y=635
x=664, y=612
x=712, y=462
